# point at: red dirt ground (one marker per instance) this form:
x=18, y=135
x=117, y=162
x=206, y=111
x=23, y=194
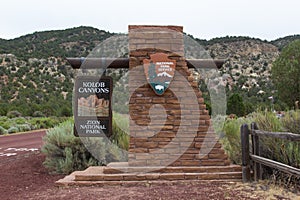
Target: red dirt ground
x=24, y=177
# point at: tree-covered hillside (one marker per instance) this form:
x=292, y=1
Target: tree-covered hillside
x=34, y=74
x=74, y=42
x=283, y=42
x=35, y=85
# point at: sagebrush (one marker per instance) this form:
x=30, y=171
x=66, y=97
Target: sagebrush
x=66, y=153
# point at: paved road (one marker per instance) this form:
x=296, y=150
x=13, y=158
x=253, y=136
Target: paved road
x=13, y=145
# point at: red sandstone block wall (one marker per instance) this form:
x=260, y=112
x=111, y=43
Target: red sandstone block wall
x=175, y=133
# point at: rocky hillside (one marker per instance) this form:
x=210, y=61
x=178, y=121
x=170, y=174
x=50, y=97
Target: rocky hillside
x=34, y=75
x=248, y=63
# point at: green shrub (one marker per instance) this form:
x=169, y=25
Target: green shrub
x=267, y=121
x=232, y=139
x=38, y=114
x=291, y=121
x=27, y=124
x=3, y=130
x=235, y=105
x=5, y=122
x=280, y=150
x=120, y=128
x=19, y=120
x=286, y=151
x=283, y=151
x=45, y=122
x=13, y=114
x=276, y=149
x=3, y=119
x=66, y=153
x=13, y=130
x=23, y=127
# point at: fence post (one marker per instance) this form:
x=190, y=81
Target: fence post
x=245, y=153
x=256, y=151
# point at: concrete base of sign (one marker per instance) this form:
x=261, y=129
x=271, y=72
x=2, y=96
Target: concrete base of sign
x=123, y=174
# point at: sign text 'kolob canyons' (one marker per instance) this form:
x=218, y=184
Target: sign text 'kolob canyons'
x=93, y=115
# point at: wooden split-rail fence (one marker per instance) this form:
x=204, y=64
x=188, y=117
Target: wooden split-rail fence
x=253, y=161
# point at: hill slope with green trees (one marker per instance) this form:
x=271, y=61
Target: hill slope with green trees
x=286, y=74
x=73, y=42
x=34, y=75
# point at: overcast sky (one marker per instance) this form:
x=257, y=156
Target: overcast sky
x=205, y=19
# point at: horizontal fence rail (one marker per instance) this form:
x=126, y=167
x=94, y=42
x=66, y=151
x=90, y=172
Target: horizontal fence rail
x=256, y=157
x=281, y=135
x=273, y=164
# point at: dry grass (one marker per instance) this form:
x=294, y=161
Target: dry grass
x=266, y=190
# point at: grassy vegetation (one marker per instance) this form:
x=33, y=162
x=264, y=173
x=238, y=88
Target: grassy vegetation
x=280, y=150
x=276, y=149
x=22, y=124
x=66, y=153
x=291, y=121
x=283, y=151
x=232, y=139
x=121, y=130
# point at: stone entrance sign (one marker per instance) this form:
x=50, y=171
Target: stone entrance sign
x=93, y=115
x=170, y=128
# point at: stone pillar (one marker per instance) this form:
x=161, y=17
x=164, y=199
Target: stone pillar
x=167, y=130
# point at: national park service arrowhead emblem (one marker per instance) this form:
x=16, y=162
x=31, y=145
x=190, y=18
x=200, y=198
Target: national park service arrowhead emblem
x=159, y=72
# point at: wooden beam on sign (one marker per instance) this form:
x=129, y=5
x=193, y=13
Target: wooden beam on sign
x=205, y=63
x=96, y=63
